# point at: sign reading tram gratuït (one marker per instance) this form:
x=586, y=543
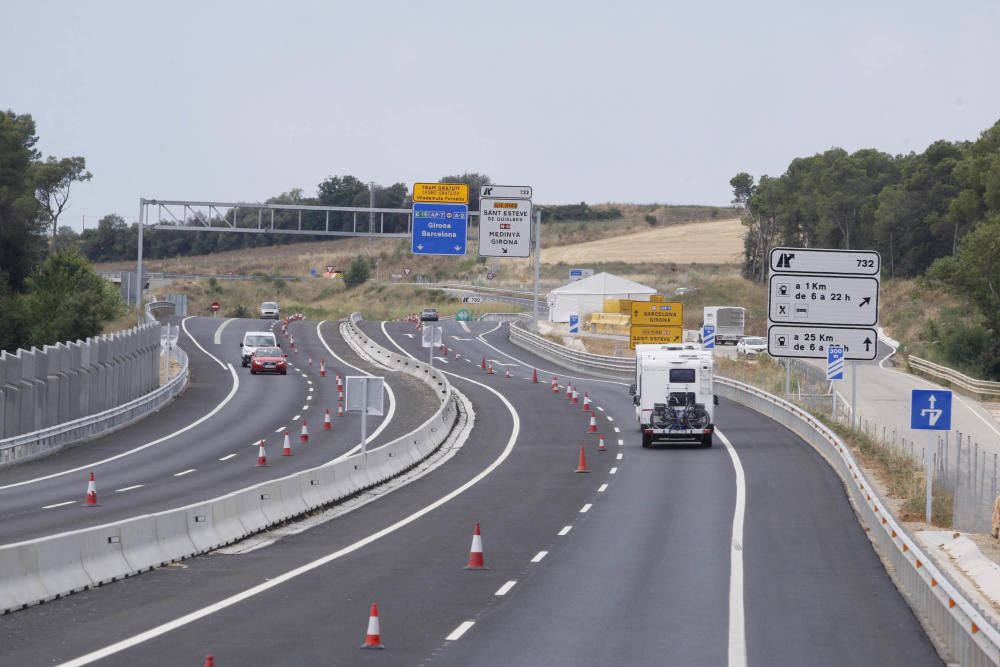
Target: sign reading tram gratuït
x=504, y=227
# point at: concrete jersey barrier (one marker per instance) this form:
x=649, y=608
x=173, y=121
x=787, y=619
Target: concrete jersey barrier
x=42, y=569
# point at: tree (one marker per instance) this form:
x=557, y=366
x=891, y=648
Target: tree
x=52, y=180
x=475, y=181
x=357, y=273
x=19, y=228
x=743, y=188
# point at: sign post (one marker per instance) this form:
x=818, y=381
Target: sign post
x=215, y=308
x=930, y=410
x=364, y=394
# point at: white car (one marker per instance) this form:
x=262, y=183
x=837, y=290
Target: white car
x=269, y=310
x=254, y=339
x=751, y=345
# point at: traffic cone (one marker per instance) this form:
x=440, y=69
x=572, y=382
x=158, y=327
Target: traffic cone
x=287, y=449
x=586, y=402
x=483, y=365
x=322, y=367
x=582, y=465
x=261, y=455
x=304, y=436
x=600, y=444
x=476, y=561
x=327, y=424
x=490, y=370
x=91, y=499
x=209, y=661
x=555, y=385
x=340, y=410
x=340, y=396
x=569, y=393
x=309, y=362
x=534, y=376
x=576, y=396
x=593, y=425
x=374, y=637
x=506, y=373
x=291, y=341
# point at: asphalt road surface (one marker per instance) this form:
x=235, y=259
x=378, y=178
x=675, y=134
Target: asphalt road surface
x=688, y=556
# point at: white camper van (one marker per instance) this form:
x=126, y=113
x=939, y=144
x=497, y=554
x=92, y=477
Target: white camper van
x=673, y=395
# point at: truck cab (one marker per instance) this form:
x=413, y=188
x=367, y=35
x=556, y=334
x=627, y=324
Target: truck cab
x=673, y=394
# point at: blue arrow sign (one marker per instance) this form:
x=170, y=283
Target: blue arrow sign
x=834, y=363
x=708, y=336
x=574, y=324
x=439, y=229
x=930, y=410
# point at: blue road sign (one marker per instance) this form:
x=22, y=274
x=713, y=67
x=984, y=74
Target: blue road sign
x=930, y=409
x=574, y=324
x=439, y=229
x=834, y=363
x=708, y=336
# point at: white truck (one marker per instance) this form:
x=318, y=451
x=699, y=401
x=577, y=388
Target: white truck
x=729, y=322
x=673, y=395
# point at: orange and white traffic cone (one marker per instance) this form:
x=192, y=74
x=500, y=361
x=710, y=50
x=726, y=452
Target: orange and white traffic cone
x=340, y=396
x=91, y=499
x=600, y=444
x=340, y=382
x=581, y=466
x=569, y=393
x=322, y=367
x=373, y=639
x=555, y=385
x=286, y=450
x=261, y=455
x=483, y=365
x=209, y=661
x=593, y=425
x=476, y=561
x=576, y=396
x=309, y=362
x=304, y=436
x=340, y=410
x=586, y=402
x=534, y=376
x=327, y=424
x=506, y=373
x=490, y=370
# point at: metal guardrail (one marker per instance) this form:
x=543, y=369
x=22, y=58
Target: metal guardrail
x=981, y=389
x=966, y=634
x=615, y=368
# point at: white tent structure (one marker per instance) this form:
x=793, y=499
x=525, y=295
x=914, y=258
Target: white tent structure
x=586, y=296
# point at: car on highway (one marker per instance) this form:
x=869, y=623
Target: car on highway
x=429, y=315
x=254, y=339
x=269, y=360
x=269, y=310
x=751, y=345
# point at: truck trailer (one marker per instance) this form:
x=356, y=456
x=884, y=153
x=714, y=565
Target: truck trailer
x=729, y=323
x=673, y=394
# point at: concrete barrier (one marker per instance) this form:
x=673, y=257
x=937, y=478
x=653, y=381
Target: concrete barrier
x=140, y=545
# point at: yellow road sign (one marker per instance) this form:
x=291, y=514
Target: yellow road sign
x=450, y=193
x=665, y=313
x=653, y=335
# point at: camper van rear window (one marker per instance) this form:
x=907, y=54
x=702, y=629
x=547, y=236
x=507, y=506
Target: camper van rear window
x=682, y=375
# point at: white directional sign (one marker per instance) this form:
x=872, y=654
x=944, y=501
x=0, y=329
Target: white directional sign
x=818, y=260
x=430, y=336
x=818, y=297
x=813, y=342
x=504, y=227
x=505, y=191
x=798, y=298
x=472, y=299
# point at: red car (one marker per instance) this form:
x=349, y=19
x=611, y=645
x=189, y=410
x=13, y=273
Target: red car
x=269, y=360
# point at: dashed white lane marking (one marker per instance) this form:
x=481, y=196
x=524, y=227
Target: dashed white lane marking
x=305, y=407
x=217, y=339
x=503, y=590
x=68, y=502
x=465, y=327
x=309, y=398
x=539, y=556
x=602, y=488
x=617, y=430
x=441, y=359
x=619, y=457
x=610, y=418
x=309, y=382
x=280, y=429
x=184, y=472
x=459, y=631
x=128, y=488
x=310, y=390
x=585, y=508
x=600, y=408
x=408, y=335
x=613, y=470
x=621, y=443
x=565, y=530
x=228, y=456
x=296, y=418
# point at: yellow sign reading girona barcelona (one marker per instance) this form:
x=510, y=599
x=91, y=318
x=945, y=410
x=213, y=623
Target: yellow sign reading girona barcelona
x=662, y=313
x=442, y=193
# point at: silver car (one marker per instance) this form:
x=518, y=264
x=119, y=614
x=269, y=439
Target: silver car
x=269, y=310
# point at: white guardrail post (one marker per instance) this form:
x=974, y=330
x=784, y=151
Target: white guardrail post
x=45, y=568
x=966, y=634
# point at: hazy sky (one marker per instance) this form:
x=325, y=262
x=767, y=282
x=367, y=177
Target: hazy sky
x=615, y=101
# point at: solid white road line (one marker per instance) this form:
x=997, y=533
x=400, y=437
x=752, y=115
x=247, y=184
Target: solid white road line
x=228, y=456
x=503, y=590
x=217, y=339
x=585, y=508
x=68, y=502
x=602, y=488
x=212, y=413
x=539, y=556
x=198, y=614
x=565, y=530
x=459, y=631
x=129, y=488
x=465, y=327
x=737, y=624
x=184, y=472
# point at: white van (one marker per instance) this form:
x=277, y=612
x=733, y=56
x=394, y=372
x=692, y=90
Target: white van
x=673, y=393
x=254, y=339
